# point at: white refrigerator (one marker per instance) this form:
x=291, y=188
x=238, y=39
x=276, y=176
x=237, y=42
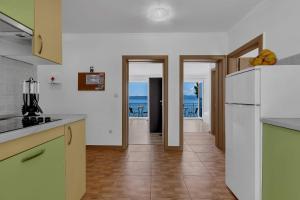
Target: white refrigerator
x=252, y=94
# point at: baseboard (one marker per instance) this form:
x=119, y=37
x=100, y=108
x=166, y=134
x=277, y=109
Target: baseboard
x=102, y=147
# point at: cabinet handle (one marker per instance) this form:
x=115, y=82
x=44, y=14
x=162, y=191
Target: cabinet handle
x=42, y=44
x=33, y=156
x=71, y=135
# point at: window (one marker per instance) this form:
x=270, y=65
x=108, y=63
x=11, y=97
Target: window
x=193, y=99
x=138, y=99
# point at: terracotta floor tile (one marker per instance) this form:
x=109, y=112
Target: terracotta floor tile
x=200, y=187
x=210, y=157
x=203, y=148
x=168, y=187
x=139, y=156
x=145, y=172
x=139, y=148
x=137, y=168
x=170, y=168
x=194, y=169
x=132, y=187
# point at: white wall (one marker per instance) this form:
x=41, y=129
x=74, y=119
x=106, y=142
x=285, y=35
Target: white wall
x=105, y=51
x=143, y=71
x=278, y=19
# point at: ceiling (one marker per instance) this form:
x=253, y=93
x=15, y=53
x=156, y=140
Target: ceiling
x=130, y=16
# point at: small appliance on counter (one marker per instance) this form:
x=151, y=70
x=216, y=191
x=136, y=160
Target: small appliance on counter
x=31, y=93
x=31, y=111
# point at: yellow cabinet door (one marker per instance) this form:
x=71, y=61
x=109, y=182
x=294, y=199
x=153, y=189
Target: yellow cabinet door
x=47, y=39
x=75, y=160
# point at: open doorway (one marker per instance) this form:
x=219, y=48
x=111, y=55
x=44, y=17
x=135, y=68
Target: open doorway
x=145, y=103
x=202, y=98
x=196, y=96
x=145, y=100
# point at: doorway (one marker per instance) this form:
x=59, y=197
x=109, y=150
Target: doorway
x=196, y=96
x=150, y=109
x=203, y=77
x=145, y=103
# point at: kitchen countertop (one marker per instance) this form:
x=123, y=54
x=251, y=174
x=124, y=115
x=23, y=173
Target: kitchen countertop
x=290, y=123
x=65, y=119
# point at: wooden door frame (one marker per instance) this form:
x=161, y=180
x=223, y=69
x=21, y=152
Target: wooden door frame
x=213, y=107
x=256, y=43
x=198, y=58
x=125, y=81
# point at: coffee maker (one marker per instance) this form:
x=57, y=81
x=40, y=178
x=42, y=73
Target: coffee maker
x=31, y=90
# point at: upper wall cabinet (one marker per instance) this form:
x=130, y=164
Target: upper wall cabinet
x=20, y=11
x=30, y=31
x=47, y=31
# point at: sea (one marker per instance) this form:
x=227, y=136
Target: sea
x=136, y=102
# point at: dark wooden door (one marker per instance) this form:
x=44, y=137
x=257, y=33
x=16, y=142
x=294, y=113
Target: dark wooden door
x=155, y=105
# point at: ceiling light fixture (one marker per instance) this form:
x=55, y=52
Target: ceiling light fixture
x=159, y=13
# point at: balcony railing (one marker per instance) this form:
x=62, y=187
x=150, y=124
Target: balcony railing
x=138, y=110
x=191, y=110
x=141, y=110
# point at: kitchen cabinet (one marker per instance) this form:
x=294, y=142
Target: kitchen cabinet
x=43, y=18
x=281, y=163
x=35, y=174
x=47, y=30
x=20, y=11
x=75, y=160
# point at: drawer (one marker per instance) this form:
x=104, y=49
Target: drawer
x=38, y=173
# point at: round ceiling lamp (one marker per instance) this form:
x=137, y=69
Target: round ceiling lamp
x=159, y=13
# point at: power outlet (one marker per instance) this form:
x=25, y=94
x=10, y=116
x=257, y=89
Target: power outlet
x=110, y=131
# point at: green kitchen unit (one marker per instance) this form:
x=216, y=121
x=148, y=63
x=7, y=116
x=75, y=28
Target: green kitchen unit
x=20, y=10
x=38, y=173
x=281, y=163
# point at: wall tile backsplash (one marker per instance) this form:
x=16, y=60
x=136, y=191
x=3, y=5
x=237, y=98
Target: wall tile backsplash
x=12, y=75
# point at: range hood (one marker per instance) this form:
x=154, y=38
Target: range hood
x=16, y=42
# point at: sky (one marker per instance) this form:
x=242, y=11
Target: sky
x=188, y=88
x=138, y=89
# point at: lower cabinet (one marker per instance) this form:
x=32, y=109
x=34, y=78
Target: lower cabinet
x=281, y=163
x=35, y=174
x=75, y=160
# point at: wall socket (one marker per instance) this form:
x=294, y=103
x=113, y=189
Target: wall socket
x=110, y=131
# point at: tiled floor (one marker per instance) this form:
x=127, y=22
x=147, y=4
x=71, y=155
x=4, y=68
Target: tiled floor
x=145, y=172
x=192, y=125
x=139, y=132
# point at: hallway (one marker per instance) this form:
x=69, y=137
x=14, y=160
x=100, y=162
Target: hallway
x=145, y=172
x=139, y=132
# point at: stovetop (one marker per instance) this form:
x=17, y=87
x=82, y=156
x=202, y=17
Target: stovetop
x=16, y=123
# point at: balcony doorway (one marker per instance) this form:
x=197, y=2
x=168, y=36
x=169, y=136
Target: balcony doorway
x=145, y=103
x=201, y=97
x=196, y=96
x=145, y=100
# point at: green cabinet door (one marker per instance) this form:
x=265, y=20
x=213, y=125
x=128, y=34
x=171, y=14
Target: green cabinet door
x=19, y=10
x=281, y=163
x=36, y=174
